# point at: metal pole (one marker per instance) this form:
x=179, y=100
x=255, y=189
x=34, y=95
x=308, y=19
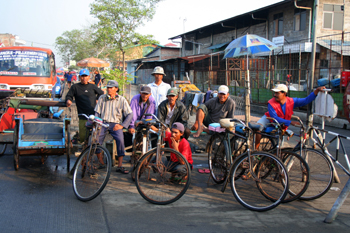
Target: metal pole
x=338, y=203
x=247, y=96
x=313, y=58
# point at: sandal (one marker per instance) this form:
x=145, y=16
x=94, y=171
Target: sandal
x=122, y=170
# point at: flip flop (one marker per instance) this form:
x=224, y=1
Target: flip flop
x=202, y=171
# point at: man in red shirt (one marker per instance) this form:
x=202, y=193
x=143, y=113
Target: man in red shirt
x=178, y=143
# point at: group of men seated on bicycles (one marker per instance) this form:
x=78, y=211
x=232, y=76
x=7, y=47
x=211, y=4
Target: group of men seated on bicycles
x=160, y=99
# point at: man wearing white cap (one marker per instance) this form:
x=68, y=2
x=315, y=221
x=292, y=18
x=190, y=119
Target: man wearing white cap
x=281, y=107
x=158, y=87
x=214, y=110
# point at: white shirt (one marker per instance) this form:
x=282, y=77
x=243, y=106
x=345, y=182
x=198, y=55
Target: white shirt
x=170, y=114
x=160, y=92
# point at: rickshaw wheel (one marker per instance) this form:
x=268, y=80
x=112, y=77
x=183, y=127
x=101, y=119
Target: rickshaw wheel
x=3, y=148
x=68, y=147
x=15, y=149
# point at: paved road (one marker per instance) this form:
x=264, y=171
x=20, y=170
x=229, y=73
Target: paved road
x=39, y=198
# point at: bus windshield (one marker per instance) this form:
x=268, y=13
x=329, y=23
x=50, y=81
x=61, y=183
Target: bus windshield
x=24, y=63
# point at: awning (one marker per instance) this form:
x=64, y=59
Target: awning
x=336, y=46
x=218, y=46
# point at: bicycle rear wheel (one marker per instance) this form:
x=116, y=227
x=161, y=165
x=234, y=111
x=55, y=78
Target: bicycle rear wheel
x=164, y=182
x=252, y=192
x=298, y=174
x=217, y=159
x=91, y=172
x=321, y=173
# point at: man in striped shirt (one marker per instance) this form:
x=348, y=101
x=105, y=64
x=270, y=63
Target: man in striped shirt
x=112, y=109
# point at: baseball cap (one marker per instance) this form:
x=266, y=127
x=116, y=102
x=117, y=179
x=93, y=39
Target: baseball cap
x=179, y=126
x=223, y=89
x=158, y=70
x=145, y=89
x=112, y=83
x=173, y=91
x=280, y=87
x=84, y=72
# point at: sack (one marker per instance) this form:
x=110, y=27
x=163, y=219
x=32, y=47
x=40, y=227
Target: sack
x=227, y=124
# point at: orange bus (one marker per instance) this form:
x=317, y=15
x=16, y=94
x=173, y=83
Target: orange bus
x=27, y=67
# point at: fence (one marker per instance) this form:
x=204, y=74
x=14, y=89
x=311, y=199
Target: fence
x=290, y=64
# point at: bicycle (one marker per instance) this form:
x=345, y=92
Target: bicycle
x=297, y=167
x=218, y=162
x=93, y=167
x=141, y=143
x=158, y=178
x=259, y=180
x=321, y=168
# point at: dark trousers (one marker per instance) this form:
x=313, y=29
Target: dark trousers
x=118, y=136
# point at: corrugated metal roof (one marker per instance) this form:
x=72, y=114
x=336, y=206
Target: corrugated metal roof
x=336, y=46
x=235, y=17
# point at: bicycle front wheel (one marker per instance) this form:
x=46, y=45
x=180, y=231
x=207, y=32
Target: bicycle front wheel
x=165, y=181
x=259, y=188
x=91, y=172
x=218, y=159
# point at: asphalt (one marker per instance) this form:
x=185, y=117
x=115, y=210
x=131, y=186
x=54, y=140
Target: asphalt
x=39, y=198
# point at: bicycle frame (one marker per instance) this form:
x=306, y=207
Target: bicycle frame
x=320, y=142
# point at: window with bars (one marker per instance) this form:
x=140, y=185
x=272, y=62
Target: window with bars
x=299, y=19
x=333, y=16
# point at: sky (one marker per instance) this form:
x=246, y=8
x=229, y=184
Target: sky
x=40, y=22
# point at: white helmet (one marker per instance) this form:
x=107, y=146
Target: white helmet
x=158, y=70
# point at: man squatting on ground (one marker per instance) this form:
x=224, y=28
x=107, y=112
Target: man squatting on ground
x=111, y=108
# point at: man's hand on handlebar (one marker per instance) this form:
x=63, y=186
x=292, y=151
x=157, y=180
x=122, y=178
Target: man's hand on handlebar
x=131, y=130
x=295, y=123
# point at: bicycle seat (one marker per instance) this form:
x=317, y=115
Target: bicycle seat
x=255, y=126
x=227, y=124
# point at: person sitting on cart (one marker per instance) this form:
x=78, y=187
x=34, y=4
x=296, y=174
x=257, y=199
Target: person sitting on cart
x=213, y=110
x=281, y=108
x=86, y=96
x=111, y=108
x=140, y=105
x=173, y=110
x=180, y=144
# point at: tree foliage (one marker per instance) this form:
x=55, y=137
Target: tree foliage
x=77, y=45
x=118, y=21
x=118, y=75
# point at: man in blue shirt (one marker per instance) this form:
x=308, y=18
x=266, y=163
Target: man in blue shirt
x=281, y=107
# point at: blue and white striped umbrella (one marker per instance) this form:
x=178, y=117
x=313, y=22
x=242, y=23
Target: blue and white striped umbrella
x=248, y=44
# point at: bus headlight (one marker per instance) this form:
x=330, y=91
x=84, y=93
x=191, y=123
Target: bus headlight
x=3, y=86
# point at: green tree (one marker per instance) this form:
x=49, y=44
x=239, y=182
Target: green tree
x=118, y=75
x=118, y=21
x=78, y=44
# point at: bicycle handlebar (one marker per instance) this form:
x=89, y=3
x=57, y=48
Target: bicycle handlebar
x=152, y=115
x=92, y=118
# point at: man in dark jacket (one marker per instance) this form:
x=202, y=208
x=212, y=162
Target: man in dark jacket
x=86, y=96
x=172, y=110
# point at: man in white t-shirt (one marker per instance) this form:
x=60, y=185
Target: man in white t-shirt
x=159, y=88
